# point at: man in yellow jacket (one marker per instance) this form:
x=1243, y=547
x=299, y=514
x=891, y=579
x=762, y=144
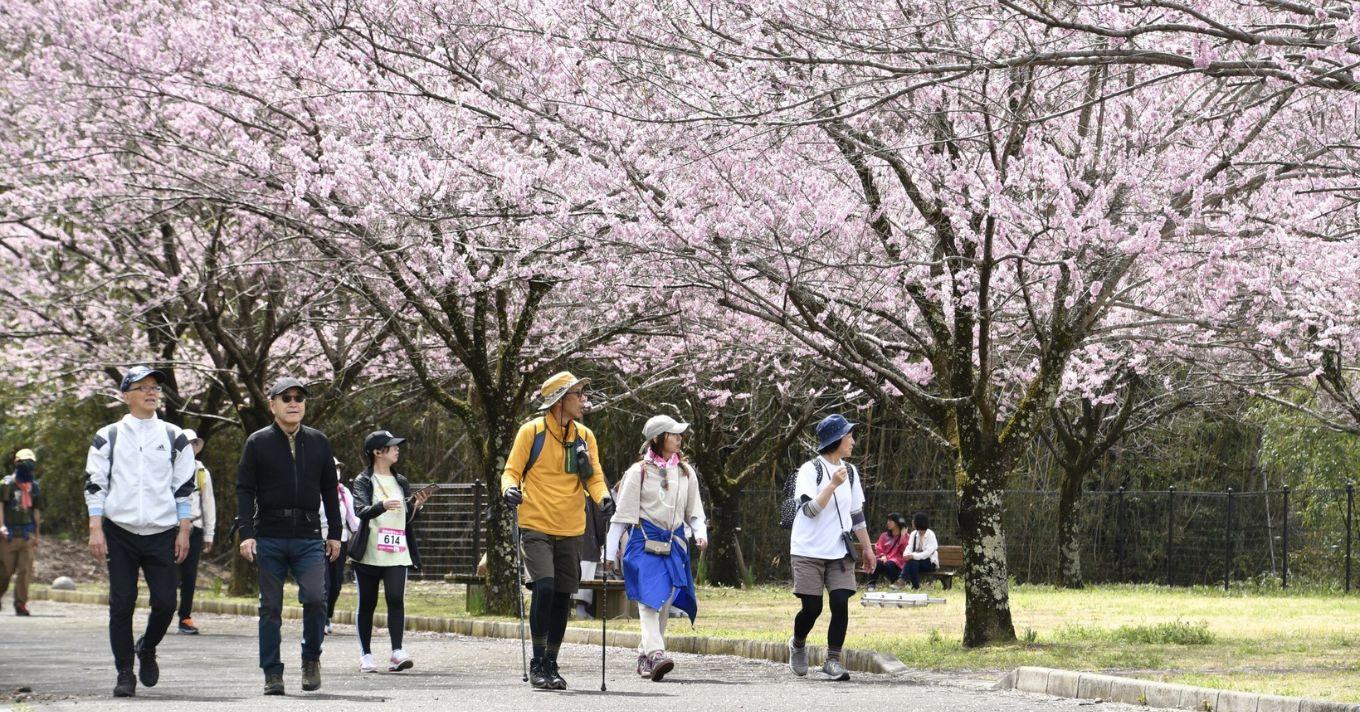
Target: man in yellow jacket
x=553, y=462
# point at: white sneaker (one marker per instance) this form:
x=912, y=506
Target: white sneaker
x=367, y=664
x=400, y=661
x=328, y=629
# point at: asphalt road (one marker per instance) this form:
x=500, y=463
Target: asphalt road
x=62, y=655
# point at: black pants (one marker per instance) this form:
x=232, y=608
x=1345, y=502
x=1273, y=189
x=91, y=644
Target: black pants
x=916, y=567
x=188, y=573
x=335, y=578
x=154, y=556
x=393, y=580
x=886, y=569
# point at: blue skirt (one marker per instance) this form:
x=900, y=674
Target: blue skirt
x=650, y=579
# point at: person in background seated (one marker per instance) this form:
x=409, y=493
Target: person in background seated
x=923, y=551
x=888, y=551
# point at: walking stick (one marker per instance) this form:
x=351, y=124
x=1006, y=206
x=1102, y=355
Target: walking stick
x=604, y=616
x=519, y=591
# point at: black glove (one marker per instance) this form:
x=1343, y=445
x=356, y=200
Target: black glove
x=513, y=497
x=607, y=508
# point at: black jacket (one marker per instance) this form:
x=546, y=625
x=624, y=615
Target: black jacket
x=279, y=495
x=366, y=509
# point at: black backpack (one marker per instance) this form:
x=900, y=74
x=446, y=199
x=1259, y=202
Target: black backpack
x=788, y=504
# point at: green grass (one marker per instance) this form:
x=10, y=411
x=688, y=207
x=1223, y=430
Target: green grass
x=1255, y=639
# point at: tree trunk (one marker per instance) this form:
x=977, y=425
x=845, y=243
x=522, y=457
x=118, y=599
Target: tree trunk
x=1069, y=530
x=724, y=526
x=987, y=614
x=505, y=587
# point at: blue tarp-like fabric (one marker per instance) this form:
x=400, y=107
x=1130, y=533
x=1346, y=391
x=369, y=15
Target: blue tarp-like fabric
x=649, y=579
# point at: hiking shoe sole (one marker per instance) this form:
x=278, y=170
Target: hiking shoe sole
x=661, y=668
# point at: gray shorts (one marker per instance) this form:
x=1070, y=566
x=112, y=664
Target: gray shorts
x=556, y=557
x=812, y=576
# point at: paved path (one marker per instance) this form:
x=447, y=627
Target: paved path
x=62, y=655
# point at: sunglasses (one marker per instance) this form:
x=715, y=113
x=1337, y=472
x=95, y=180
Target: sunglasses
x=290, y=398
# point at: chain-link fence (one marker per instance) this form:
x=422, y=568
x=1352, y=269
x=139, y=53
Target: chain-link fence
x=1161, y=537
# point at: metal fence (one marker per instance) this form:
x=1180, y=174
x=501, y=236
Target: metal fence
x=1163, y=537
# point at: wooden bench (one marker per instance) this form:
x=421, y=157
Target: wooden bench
x=616, y=600
x=951, y=563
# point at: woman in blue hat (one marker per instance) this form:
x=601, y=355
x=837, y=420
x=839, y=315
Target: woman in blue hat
x=829, y=540
x=385, y=545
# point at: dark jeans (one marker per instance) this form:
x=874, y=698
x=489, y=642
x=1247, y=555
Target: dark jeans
x=393, y=580
x=886, y=569
x=306, y=559
x=335, y=578
x=154, y=556
x=188, y=573
x=916, y=567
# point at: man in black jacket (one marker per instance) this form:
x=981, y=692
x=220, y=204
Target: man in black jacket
x=287, y=473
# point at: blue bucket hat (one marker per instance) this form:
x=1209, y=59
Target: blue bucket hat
x=137, y=373
x=831, y=429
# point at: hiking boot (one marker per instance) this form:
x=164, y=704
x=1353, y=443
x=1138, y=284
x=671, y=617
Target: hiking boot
x=399, y=661
x=147, y=669
x=833, y=670
x=538, y=677
x=661, y=665
x=187, y=627
x=554, y=676
x=273, y=683
x=311, y=675
x=798, y=659
x=21, y=609
x=644, y=666
x=367, y=664
x=126, y=685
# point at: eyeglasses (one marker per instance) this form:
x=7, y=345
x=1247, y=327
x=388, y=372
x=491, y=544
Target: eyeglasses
x=289, y=398
x=146, y=389
x=579, y=394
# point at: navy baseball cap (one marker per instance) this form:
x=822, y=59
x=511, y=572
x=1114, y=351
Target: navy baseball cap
x=284, y=384
x=380, y=439
x=831, y=429
x=137, y=373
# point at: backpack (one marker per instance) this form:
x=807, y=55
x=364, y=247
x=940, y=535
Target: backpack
x=113, y=440
x=788, y=504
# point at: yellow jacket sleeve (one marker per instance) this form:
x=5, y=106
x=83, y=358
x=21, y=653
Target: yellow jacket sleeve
x=596, y=484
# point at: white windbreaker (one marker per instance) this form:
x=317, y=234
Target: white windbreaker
x=142, y=492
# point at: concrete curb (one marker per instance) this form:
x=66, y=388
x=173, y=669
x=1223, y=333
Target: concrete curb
x=853, y=660
x=1093, y=686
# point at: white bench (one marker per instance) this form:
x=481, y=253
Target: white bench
x=884, y=599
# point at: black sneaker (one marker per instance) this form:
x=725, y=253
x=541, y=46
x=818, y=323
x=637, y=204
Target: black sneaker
x=273, y=684
x=127, y=684
x=147, y=669
x=554, y=677
x=311, y=675
x=187, y=627
x=538, y=676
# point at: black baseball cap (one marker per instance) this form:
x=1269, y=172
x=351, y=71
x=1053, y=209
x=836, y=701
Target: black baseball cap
x=284, y=384
x=380, y=439
x=137, y=373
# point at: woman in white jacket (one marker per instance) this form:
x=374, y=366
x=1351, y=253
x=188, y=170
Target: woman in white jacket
x=923, y=550
x=657, y=498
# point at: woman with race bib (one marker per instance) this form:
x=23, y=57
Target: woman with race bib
x=385, y=545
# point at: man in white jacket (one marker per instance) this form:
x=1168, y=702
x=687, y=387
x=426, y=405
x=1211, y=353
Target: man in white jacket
x=139, y=474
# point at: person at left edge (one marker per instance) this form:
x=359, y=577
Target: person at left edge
x=287, y=472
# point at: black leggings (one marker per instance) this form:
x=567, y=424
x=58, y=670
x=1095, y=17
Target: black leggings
x=393, y=580
x=335, y=578
x=812, y=608
x=549, y=610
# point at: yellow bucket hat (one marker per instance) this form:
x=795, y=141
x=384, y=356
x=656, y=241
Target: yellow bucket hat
x=557, y=386
x=25, y=454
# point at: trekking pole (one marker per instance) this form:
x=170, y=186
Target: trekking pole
x=604, y=616
x=519, y=591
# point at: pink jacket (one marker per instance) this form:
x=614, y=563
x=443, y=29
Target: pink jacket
x=892, y=549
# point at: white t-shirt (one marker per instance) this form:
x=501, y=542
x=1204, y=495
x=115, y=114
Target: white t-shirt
x=819, y=537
